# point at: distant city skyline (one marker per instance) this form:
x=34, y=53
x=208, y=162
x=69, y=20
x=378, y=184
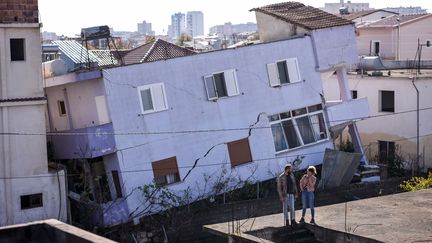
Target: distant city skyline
x=68, y=17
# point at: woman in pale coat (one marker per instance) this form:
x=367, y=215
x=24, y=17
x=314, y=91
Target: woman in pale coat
x=307, y=188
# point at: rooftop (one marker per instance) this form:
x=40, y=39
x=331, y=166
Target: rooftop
x=404, y=217
x=75, y=51
x=305, y=16
x=359, y=14
x=392, y=21
x=50, y=230
x=154, y=51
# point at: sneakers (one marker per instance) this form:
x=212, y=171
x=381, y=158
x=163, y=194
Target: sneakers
x=312, y=221
x=293, y=223
x=302, y=220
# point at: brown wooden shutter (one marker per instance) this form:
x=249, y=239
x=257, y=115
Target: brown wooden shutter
x=239, y=152
x=165, y=167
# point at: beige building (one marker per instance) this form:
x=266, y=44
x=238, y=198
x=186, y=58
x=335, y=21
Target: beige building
x=393, y=114
x=28, y=189
x=396, y=37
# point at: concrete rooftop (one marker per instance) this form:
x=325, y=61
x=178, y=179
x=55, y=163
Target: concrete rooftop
x=404, y=217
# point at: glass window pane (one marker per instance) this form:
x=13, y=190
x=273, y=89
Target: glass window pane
x=220, y=84
x=305, y=129
x=283, y=72
x=274, y=117
x=278, y=137
x=290, y=134
x=299, y=112
x=313, y=108
x=146, y=99
x=210, y=87
x=318, y=126
x=285, y=115
x=387, y=101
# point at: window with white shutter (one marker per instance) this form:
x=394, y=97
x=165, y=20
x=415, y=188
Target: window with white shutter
x=283, y=72
x=152, y=98
x=221, y=84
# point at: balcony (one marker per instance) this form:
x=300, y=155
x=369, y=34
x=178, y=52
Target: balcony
x=340, y=114
x=84, y=143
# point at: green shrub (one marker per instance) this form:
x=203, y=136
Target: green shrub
x=417, y=183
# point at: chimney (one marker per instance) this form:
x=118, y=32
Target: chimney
x=19, y=11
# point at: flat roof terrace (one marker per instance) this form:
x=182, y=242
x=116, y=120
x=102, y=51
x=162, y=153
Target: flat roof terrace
x=404, y=217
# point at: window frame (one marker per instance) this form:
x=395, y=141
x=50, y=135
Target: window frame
x=273, y=72
x=158, y=179
x=117, y=185
x=61, y=114
x=30, y=199
x=297, y=131
x=373, y=49
x=354, y=92
x=387, y=145
x=23, y=50
x=152, y=87
x=380, y=100
x=231, y=87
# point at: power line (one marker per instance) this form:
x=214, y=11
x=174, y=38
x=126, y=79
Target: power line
x=205, y=165
x=189, y=131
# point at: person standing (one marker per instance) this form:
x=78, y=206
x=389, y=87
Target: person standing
x=287, y=189
x=307, y=188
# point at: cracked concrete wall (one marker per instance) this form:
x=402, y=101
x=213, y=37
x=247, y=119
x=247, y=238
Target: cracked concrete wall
x=189, y=109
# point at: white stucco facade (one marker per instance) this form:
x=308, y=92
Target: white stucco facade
x=184, y=119
x=23, y=157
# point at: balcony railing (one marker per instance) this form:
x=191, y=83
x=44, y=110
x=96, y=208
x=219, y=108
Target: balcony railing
x=84, y=143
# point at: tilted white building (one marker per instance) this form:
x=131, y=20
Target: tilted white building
x=244, y=111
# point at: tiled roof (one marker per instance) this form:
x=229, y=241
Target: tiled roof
x=359, y=14
x=22, y=99
x=392, y=21
x=305, y=16
x=156, y=50
x=105, y=57
x=75, y=51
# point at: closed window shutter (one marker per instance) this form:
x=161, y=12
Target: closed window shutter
x=231, y=82
x=293, y=70
x=239, y=152
x=158, y=93
x=166, y=171
x=210, y=87
x=272, y=71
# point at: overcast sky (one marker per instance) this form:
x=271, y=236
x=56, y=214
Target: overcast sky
x=69, y=16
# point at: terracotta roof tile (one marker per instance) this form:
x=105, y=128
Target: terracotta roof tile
x=154, y=51
x=306, y=16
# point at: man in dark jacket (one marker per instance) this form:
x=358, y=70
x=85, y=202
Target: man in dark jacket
x=287, y=189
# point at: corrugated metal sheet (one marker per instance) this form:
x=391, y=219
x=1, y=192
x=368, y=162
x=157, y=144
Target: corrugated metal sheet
x=75, y=51
x=105, y=57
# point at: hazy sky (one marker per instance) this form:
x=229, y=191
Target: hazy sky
x=69, y=16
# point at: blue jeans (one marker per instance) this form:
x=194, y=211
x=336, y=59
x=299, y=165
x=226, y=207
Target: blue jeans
x=308, y=199
x=288, y=205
